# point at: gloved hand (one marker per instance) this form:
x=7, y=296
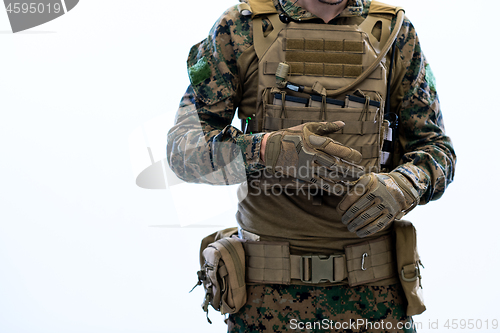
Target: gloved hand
x=303, y=152
x=377, y=200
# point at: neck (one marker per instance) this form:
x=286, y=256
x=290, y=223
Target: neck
x=326, y=10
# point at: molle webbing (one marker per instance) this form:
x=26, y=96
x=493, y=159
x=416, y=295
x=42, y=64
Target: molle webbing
x=355, y=128
x=320, y=57
x=324, y=45
x=342, y=60
x=324, y=58
x=330, y=70
x=366, y=262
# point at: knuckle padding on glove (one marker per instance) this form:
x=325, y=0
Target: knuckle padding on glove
x=371, y=214
x=357, y=207
x=373, y=227
x=385, y=197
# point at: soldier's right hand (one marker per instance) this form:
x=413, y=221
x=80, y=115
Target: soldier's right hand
x=304, y=152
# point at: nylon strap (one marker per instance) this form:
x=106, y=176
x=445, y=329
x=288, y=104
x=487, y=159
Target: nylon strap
x=368, y=25
x=244, y=6
x=374, y=65
x=271, y=263
x=382, y=8
x=351, y=127
x=263, y=42
x=260, y=7
x=370, y=261
x=267, y=262
x=375, y=13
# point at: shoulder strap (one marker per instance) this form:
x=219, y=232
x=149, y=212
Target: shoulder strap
x=383, y=53
x=376, y=18
x=260, y=7
x=261, y=41
x=260, y=10
x=382, y=8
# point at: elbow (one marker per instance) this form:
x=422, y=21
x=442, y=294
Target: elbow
x=176, y=162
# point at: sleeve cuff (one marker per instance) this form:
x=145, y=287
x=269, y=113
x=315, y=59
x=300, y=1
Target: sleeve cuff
x=250, y=149
x=418, y=178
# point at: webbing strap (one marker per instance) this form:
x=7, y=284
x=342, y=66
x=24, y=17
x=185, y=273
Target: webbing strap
x=385, y=25
x=309, y=57
x=377, y=9
x=374, y=65
x=323, y=69
x=370, y=261
x=302, y=44
x=261, y=41
x=242, y=7
x=351, y=127
x=382, y=8
x=333, y=70
x=260, y=7
x=267, y=262
x=271, y=262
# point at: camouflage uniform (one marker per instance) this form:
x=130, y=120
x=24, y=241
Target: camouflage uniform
x=202, y=143
x=322, y=309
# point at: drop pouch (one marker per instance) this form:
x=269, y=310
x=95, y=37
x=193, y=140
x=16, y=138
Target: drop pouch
x=222, y=272
x=409, y=263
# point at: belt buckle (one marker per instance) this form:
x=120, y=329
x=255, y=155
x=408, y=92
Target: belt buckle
x=321, y=268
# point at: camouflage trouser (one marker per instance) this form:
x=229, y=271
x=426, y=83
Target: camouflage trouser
x=281, y=308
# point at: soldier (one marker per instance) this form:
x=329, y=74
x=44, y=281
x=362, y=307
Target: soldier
x=340, y=113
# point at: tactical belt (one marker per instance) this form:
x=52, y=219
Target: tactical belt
x=272, y=263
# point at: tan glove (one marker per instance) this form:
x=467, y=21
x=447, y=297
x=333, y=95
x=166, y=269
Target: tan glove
x=377, y=200
x=304, y=153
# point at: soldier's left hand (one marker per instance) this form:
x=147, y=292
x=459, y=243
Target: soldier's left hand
x=377, y=200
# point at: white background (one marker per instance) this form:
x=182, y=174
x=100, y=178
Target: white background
x=83, y=249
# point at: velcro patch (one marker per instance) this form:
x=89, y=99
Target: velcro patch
x=429, y=77
x=200, y=71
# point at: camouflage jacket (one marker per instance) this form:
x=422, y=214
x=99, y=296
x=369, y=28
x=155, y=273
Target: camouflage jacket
x=203, y=142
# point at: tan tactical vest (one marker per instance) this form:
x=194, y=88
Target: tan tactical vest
x=336, y=72
x=322, y=59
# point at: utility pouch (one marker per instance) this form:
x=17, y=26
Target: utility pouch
x=223, y=272
x=409, y=266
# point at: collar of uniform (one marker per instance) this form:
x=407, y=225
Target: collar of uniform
x=353, y=8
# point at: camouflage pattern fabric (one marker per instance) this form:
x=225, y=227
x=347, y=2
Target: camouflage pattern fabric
x=279, y=308
x=203, y=121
